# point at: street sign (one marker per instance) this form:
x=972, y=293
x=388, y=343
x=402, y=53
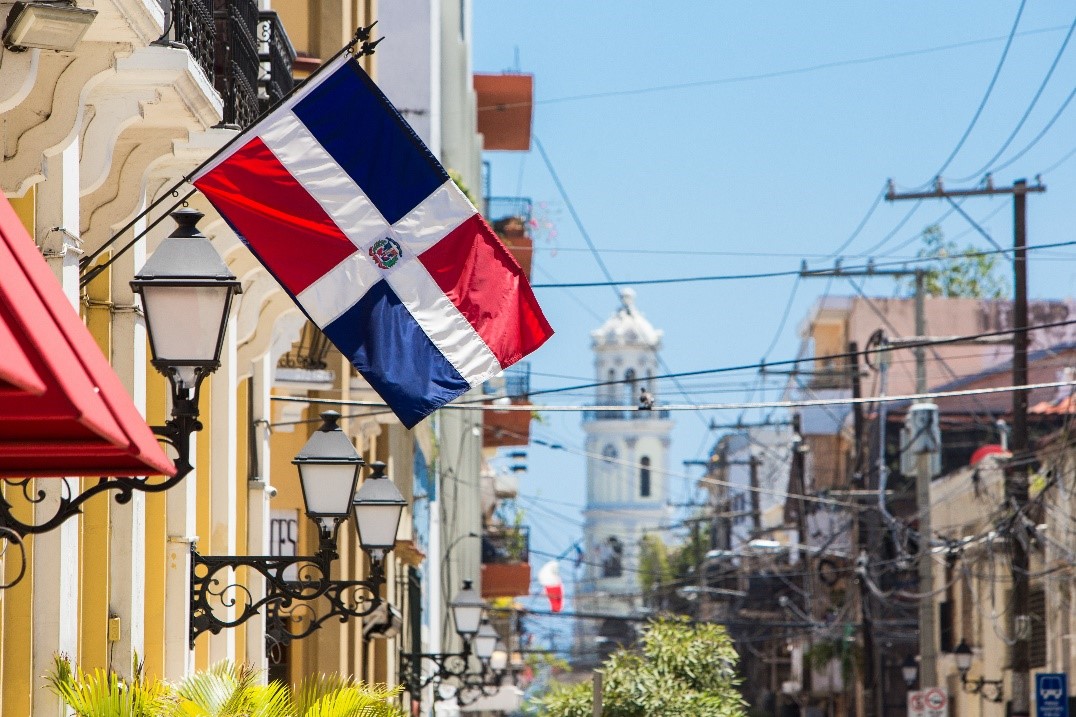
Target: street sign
x=931, y=702
x=1051, y=694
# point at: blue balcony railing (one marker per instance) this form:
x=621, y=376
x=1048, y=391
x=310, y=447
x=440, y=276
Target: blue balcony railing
x=516, y=382
x=498, y=208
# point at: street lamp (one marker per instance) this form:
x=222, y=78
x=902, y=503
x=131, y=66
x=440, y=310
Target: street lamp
x=992, y=690
x=485, y=642
x=498, y=661
x=186, y=291
x=479, y=639
x=909, y=670
x=378, y=506
x=467, y=609
x=328, y=468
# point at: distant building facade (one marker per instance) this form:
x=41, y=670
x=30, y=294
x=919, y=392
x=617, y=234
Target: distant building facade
x=627, y=464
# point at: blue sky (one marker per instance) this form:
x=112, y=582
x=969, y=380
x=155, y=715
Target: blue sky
x=738, y=172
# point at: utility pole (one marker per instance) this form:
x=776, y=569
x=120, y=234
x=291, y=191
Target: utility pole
x=927, y=670
x=756, y=508
x=928, y=644
x=797, y=484
x=859, y=475
x=1016, y=476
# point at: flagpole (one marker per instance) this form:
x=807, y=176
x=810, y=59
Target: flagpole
x=362, y=35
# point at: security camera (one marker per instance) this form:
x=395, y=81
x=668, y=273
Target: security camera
x=384, y=622
x=271, y=491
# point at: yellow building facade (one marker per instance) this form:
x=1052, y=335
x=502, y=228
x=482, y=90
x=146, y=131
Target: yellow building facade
x=94, y=136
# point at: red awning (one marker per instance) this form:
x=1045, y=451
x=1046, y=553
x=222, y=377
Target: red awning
x=63, y=410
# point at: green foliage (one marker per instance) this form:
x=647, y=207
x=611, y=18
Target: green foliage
x=511, y=517
x=691, y=554
x=338, y=696
x=225, y=690
x=846, y=651
x=682, y=669
x=230, y=690
x=964, y=272
x=104, y=694
x=457, y=178
x=655, y=568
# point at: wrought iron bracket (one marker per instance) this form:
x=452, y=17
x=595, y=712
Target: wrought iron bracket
x=482, y=684
x=449, y=665
x=295, y=586
x=470, y=685
x=176, y=433
x=993, y=690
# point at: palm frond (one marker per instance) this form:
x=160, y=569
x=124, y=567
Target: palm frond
x=355, y=700
x=104, y=694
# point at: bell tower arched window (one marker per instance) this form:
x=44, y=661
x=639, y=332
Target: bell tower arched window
x=644, y=477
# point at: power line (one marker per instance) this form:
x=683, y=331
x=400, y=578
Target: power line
x=633, y=409
x=986, y=95
x=773, y=274
x=571, y=210
x=480, y=403
x=1040, y=135
x=778, y=73
x=1027, y=112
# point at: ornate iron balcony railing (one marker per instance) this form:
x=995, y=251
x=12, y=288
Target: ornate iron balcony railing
x=193, y=27
x=236, y=63
x=277, y=58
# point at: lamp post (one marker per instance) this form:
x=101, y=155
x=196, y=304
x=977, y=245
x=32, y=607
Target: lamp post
x=186, y=291
x=479, y=639
x=495, y=668
x=992, y=690
x=328, y=472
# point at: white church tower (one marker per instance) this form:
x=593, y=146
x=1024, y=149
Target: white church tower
x=627, y=464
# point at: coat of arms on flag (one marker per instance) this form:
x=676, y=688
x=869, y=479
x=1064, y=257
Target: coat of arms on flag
x=347, y=208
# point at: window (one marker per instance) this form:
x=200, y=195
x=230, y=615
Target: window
x=644, y=477
x=629, y=380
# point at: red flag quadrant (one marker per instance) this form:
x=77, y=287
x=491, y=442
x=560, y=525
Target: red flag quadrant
x=344, y=205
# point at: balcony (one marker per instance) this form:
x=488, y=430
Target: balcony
x=499, y=209
x=224, y=37
x=508, y=428
x=506, y=569
x=505, y=108
x=236, y=64
x=277, y=57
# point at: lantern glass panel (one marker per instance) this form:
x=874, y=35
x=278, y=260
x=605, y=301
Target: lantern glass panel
x=467, y=613
x=328, y=488
x=185, y=322
x=499, y=659
x=377, y=525
x=485, y=642
x=963, y=656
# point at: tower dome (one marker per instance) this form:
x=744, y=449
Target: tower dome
x=627, y=326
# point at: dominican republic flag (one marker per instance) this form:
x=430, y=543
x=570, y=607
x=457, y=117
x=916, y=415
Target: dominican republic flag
x=348, y=209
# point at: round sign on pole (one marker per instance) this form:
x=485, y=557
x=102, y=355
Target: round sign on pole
x=936, y=699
